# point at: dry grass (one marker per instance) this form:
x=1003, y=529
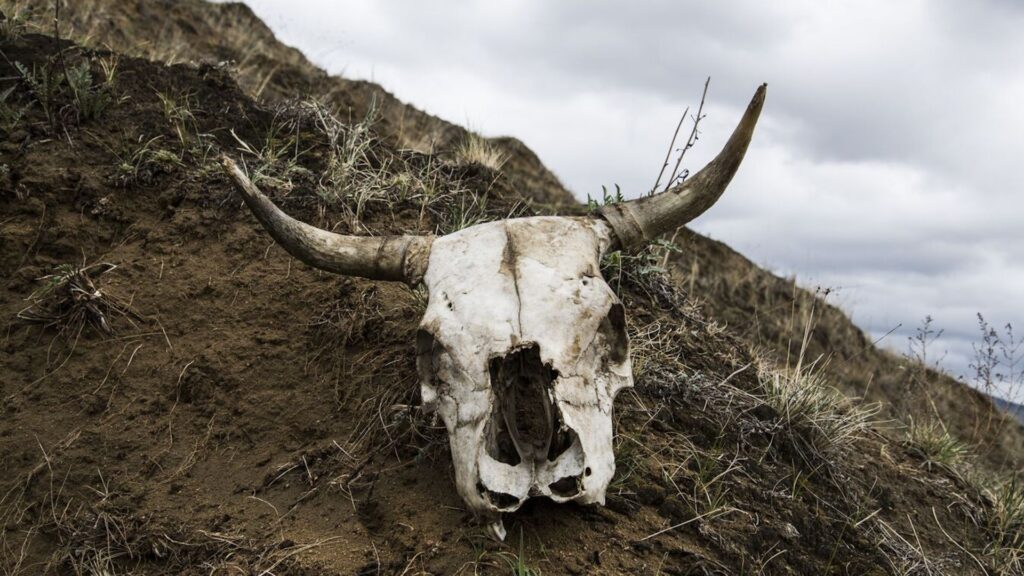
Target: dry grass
x=17, y=18
x=1005, y=522
x=906, y=555
x=819, y=415
x=361, y=176
x=88, y=22
x=69, y=300
x=931, y=440
x=101, y=536
x=475, y=150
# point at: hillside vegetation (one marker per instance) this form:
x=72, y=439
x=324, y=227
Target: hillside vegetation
x=179, y=396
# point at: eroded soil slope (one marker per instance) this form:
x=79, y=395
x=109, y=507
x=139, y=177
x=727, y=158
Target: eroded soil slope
x=766, y=311
x=258, y=416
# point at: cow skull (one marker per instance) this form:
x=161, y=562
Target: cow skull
x=523, y=345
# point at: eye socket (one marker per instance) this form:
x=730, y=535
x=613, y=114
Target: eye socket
x=426, y=346
x=613, y=327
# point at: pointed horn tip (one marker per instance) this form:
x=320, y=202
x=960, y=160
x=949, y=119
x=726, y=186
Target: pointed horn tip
x=229, y=165
x=243, y=185
x=745, y=129
x=758, y=100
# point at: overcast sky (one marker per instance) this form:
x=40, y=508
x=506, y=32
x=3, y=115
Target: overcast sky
x=887, y=164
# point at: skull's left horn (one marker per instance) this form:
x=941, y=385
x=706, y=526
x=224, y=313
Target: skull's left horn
x=402, y=258
x=640, y=221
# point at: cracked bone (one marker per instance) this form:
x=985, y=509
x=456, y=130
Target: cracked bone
x=523, y=347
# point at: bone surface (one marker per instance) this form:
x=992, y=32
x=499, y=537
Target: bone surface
x=521, y=351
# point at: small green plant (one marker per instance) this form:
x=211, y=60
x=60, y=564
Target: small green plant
x=933, y=442
x=606, y=198
x=91, y=99
x=45, y=87
x=178, y=111
x=61, y=90
x=517, y=562
x=141, y=160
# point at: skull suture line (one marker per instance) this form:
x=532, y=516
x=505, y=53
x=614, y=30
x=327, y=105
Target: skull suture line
x=523, y=345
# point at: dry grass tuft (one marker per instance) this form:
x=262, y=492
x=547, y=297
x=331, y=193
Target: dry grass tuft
x=1005, y=522
x=475, y=150
x=821, y=418
x=905, y=554
x=819, y=415
x=69, y=300
x=932, y=441
x=349, y=174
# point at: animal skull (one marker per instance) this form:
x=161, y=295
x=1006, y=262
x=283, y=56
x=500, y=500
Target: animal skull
x=523, y=347
x=523, y=362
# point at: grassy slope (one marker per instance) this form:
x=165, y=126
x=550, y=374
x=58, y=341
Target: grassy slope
x=183, y=443
x=771, y=313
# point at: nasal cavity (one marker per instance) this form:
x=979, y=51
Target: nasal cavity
x=522, y=383
x=567, y=487
x=499, y=500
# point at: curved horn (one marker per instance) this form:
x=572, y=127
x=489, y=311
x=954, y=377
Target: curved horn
x=401, y=258
x=640, y=221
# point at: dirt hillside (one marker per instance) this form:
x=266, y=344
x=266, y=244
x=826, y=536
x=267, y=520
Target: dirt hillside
x=212, y=406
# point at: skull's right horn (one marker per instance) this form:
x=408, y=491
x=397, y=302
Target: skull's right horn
x=401, y=258
x=643, y=220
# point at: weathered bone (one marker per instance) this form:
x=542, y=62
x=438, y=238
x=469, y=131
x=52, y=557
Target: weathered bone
x=643, y=220
x=527, y=292
x=522, y=347
x=402, y=258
